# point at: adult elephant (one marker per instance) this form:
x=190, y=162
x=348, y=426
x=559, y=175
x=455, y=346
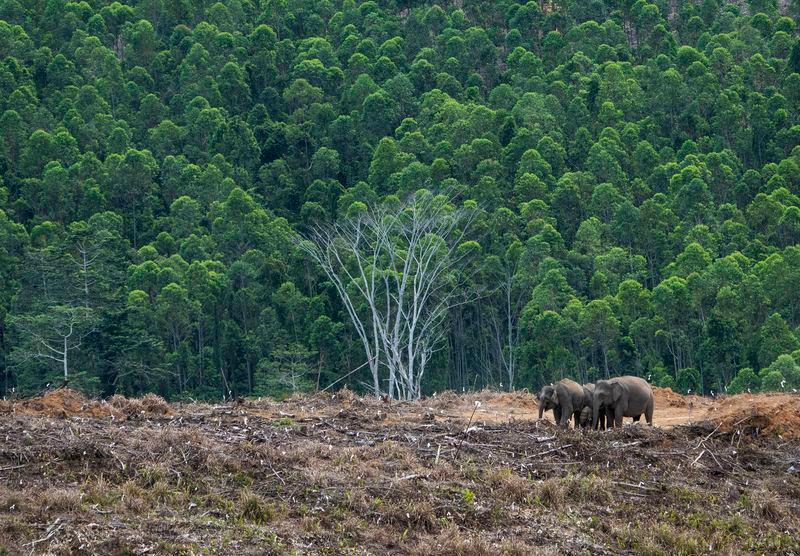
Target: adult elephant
x=624, y=396
x=565, y=398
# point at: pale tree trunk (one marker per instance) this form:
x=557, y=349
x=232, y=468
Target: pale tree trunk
x=394, y=261
x=66, y=367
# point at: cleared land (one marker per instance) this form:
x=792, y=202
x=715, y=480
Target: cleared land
x=338, y=473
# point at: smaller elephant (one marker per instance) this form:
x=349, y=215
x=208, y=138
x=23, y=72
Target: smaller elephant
x=565, y=398
x=585, y=419
x=625, y=396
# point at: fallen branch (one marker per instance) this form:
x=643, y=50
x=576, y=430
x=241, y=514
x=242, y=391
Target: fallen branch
x=14, y=467
x=540, y=438
x=51, y=530
x=409, y=477
x=640, y=487
x=477, y=405
x=698, y=457
x=707, y=437
x=277, y=475
x=716, y=460
x=553, y=450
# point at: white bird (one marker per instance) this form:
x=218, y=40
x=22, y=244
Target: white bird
x=649, y=376
x=783, y=384
x=794, y=391
x=689, y=391
x=748, y=391
x=726, y=389
x=712, y=393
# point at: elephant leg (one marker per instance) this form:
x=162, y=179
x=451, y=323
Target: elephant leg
x=607, y=417
x=576, y=416
x=648, y=412
x=566, y=412
x=636, y=419
x=618, y=414
x=557, y=414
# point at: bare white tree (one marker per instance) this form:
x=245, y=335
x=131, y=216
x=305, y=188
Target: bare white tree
x=54, y=335
x=504, y=305
x=393, y=266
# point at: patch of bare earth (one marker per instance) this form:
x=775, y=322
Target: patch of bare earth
x=343, y=474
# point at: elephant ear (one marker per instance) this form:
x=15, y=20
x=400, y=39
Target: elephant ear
x=617, y=388
x=554, y=397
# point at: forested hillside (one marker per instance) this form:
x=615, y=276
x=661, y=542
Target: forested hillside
x=635, y=168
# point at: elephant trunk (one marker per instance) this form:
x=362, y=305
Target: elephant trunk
x=595, y=413
x=541, y=409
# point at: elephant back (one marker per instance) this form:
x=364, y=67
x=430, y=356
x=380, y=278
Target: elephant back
x=639, y=390
x=573, y=389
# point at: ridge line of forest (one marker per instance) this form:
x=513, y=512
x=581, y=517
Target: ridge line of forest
x=634, y=166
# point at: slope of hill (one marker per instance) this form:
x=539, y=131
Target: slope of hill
x=345, y=474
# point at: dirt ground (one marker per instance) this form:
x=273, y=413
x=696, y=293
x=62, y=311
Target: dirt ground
x=343, y=474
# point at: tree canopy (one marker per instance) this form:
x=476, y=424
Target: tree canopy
x=633, y=171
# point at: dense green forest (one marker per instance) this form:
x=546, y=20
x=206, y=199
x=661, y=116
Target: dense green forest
x=632, y=169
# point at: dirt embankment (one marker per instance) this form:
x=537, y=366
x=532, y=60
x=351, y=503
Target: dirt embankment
x=65, y=403
x=772, y=413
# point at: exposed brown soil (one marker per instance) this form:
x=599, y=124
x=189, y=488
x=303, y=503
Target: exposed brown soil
x=343, y=474
x=59, y=403
x=777, y=414
x=69, y=403
x=770, y=413
x=665, y=397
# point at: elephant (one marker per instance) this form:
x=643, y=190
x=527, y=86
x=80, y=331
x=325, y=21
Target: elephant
x=625, y=396
x=585, y=418
x=565, y=398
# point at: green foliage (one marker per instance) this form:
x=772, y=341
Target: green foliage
x=782, y=374
x=467, y=497
x=637, y=174
x=746, y=381
x=688, y=381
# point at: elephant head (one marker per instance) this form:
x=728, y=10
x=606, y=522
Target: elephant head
x=607, y=394
x=547, y=398
x=586, y=417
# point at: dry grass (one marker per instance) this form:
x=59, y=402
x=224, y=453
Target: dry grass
x=767, y=506
x=322, y=475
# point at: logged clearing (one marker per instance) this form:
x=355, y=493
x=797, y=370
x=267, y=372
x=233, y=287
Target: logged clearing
x=342, y=474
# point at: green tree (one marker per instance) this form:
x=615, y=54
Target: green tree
x=601, y=330
x=775, y=339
